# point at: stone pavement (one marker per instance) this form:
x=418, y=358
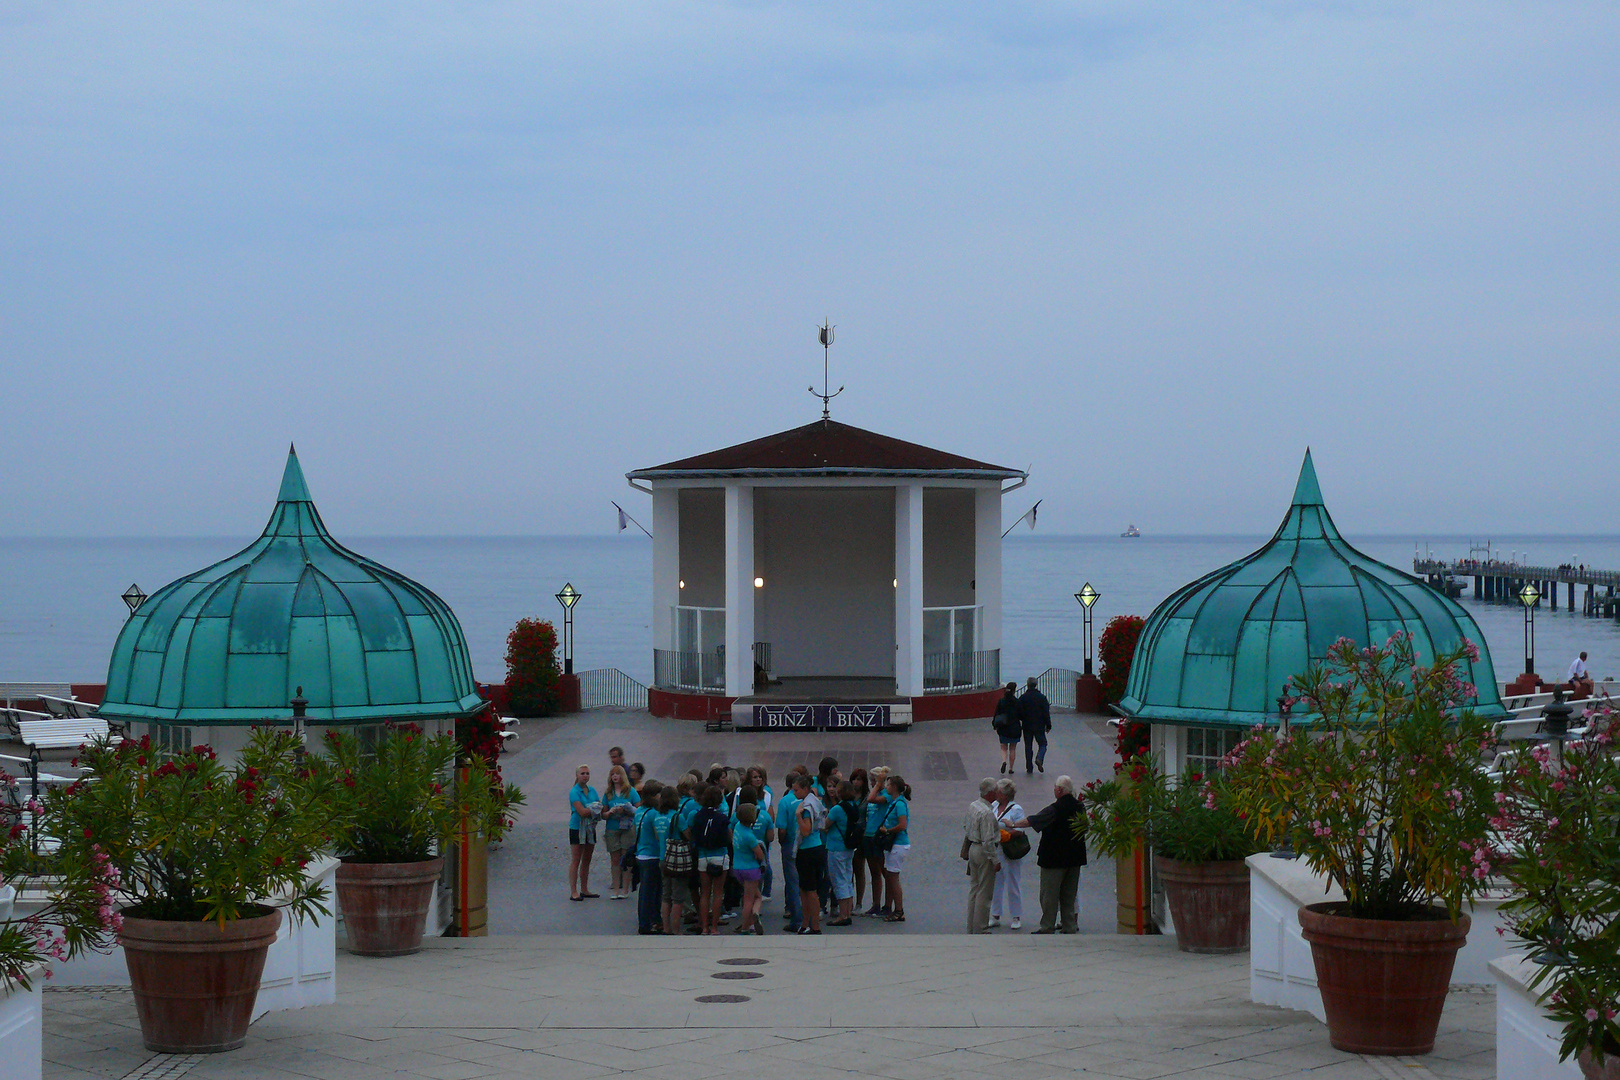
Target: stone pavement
x=942, y=760
x=919, y=1007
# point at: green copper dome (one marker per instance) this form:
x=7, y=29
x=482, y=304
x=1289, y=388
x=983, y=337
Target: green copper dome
x=1218, y=651
x=233, y=642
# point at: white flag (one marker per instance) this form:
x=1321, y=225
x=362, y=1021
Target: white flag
x=1028, y=518
x=624, y=519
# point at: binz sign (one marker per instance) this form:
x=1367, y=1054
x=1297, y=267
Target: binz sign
x=821, y=717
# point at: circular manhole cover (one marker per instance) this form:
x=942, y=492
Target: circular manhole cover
x=723, y=999
x=738, y=975
x=742, y=961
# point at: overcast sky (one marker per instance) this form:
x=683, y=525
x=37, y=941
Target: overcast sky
x=480, y=259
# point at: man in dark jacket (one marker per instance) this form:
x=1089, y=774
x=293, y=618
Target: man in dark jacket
x=1035, y=716
x=1061, y=855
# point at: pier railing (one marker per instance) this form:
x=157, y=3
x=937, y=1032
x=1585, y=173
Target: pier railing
x=1058, y=684
x=1572, y=575
x=610, y=688
x=952, y=672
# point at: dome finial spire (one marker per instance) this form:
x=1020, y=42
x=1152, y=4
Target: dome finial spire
x=293, y=488
x=1307, y=492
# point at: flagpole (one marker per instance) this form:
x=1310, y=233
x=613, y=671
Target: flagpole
x=626, y=517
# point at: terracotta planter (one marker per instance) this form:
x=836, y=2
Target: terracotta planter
x=1383, y=981
x=1609, y=1070
x=194, y=982
x=385, y=905
x=1209, y=903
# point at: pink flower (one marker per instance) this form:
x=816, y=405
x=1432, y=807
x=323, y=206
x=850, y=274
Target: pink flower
x=1591, y=1014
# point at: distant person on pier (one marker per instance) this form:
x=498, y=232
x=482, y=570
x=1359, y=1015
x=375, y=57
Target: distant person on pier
x=1580, y=680
x=1035, y=718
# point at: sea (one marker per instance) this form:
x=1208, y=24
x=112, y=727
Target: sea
x=60, y=606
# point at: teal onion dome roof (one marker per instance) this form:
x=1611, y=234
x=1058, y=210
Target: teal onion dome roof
x=232, y=643
x=1218, y=651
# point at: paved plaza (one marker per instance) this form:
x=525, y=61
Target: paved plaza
x=921, y=1007
x=568, y=991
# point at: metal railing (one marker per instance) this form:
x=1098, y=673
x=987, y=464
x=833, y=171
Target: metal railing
x=1057, y=683
x=953, y=672
x=703, y=672
x=610, y=688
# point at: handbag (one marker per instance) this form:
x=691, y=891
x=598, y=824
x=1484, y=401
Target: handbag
x=1014, y=844
x=678, y=855
x=882, y=841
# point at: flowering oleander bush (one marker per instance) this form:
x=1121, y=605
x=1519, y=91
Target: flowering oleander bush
x=1378, y=785
x=398, y=799
x=1116, y=648
x=177, y=835
x=1189, y=818
x=1559, y=826
x=531, y=668
x=80, y=914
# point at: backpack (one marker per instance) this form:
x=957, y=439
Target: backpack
x=712, y=830
x=854, y=826
x=678, y=857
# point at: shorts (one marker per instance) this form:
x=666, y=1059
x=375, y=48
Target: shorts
x=812, y=866
x=678, y=889
x=896, y=858
x=617, y=840
x=1011, y=740
x=574, y=837
x=748, y=875
x=712, y=866
x=841, y=874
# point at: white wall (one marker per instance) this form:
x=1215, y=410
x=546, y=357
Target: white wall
x=987, y=561
x=703, y=547
x=666, y=563
x=827, y=557
x=949, y=564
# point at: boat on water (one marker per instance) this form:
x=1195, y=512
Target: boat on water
x=1131, y=531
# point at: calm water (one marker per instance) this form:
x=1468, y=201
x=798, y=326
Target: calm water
x=60, y=609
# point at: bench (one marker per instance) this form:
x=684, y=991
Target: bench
x=68, y=708
x=14, y=799
x=13, y=692
x=41, y=731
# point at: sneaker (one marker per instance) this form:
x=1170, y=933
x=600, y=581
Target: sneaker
x=995, y=921
x=1017, y=924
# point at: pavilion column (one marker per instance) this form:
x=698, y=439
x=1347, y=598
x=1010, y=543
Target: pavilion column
x=739, y=590
x=908, y=590
x=987, y=565
x=666, y=519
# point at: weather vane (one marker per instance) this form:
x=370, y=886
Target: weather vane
x=826, y=346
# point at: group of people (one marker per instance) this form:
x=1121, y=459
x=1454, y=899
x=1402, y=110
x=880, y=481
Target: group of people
x=995, y=842
x=1025, y=718
x=700, y=849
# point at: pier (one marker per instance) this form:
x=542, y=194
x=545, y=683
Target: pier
x=1500, y=581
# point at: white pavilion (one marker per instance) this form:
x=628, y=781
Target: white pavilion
x=826, y=577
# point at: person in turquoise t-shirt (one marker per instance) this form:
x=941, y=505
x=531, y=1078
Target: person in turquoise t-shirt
x=584, y=807
x=747, y=857
x=618, y=812
x=756, y=777
x=787, y=830
x=877, y=806
x=810, y=860
x=651, y=828
x=840, y=860
x=898, y=827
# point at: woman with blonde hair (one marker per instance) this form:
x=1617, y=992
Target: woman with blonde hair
x=618, y=808
x=877, y=804
x=584, y=806
x=895, y=837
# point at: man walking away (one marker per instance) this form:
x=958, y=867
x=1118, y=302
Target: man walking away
x=1035, y=714
x=981, y=847
x=1061, y=855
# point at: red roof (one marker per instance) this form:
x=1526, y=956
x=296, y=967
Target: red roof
x=827, y=448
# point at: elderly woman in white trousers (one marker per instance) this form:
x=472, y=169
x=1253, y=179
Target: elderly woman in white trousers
x=1009, y=897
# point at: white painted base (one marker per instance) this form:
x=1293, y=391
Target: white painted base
x=22, y=1029
x=1281, y=971
x=300, y=970
x=1526, y=1040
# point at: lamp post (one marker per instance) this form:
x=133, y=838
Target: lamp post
x=1528, y=597
x=1088, y=691
x=1087, y=597
x=568, y=597
x=134, y=598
